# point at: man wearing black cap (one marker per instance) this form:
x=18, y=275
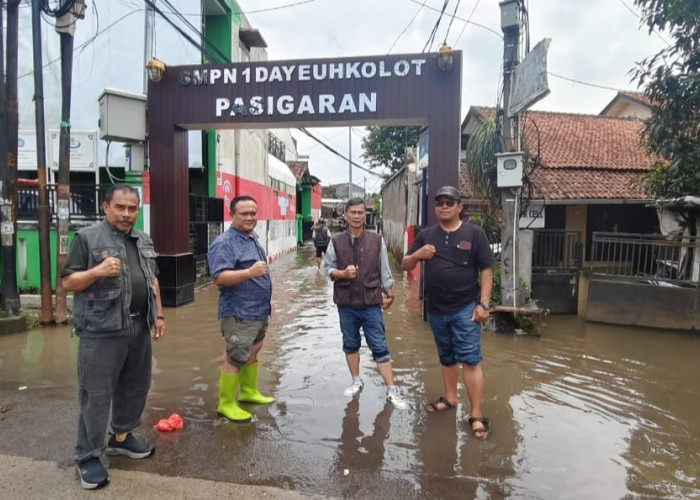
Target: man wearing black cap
x=458, y=280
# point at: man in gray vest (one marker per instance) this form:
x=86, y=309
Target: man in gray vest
x=111, y=268
x=358, y=263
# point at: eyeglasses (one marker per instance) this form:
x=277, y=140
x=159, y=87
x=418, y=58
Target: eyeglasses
x=445, y=203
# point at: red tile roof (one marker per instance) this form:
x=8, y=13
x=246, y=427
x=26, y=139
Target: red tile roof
x=583, y=156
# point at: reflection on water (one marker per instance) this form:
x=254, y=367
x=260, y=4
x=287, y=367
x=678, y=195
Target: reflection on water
x=584, y=410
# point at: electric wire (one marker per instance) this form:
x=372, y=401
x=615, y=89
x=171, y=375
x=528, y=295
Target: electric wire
x=336, y=152
x=454, y=13
x=407, y=26
x=431, y=37
x=467, y=22
x=499, y=35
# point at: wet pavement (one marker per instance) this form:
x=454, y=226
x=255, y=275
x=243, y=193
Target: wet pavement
x=583, y=411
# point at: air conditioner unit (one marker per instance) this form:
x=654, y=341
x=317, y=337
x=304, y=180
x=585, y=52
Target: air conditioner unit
x=509, y=168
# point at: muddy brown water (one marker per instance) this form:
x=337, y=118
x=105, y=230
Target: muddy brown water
x=583, y=411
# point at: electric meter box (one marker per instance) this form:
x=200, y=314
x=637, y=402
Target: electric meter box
x=122, y=116
x=509, y=169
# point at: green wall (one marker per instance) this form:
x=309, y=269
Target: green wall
x=28, y=262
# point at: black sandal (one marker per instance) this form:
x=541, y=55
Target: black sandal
x=485, y=428
x=433, y=407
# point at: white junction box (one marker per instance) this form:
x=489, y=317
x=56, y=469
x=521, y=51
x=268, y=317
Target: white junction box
x=509, y=169
x=122, y=116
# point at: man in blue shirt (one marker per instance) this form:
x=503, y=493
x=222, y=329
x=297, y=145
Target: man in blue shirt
x=238, y=265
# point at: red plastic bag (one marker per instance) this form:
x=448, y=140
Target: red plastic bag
x=172, y=423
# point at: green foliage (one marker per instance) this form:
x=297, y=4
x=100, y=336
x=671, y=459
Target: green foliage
x=671, y=80
x=481, y=151
x=29, y=290
x=385, y=146
x=496, y=290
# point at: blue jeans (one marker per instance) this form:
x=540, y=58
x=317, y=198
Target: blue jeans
x=372, y=323
x=457, y=337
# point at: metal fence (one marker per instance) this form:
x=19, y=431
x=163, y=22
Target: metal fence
x=206, y=223
x=647, y=257
x=84, y=202
x=556, y=249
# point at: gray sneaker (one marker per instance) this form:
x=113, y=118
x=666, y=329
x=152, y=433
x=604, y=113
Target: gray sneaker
x=92, y=474
x=131, y=447
x=355, y=388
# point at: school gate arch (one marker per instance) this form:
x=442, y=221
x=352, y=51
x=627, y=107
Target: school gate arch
x=404, y=89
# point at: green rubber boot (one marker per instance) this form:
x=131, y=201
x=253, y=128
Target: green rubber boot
x=227, y=398
x=249, y=386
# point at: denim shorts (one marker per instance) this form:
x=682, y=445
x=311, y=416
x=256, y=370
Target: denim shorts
x=457, y=337
x=372, y=323
x=241, y=335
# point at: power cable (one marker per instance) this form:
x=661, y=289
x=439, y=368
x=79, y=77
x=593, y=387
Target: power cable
x=467, y=22
x=585, y=83
x=454, y=13
x=336, y=152
x=409, y=24
x=431, y=38
x=278, y=7
x=499, y=35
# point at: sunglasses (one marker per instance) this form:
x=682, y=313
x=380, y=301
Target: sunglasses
x=445, y=203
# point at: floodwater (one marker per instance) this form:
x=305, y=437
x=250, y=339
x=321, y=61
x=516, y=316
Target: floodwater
x=582, y=411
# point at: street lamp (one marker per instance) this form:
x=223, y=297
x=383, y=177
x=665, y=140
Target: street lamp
x=445, y=58
x=155, y=68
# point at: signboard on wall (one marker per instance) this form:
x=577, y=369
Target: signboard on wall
x=423, y=150
x=533, y=218
x=26, y=150
x=83, y=150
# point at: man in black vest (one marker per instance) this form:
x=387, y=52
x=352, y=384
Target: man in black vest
x=358, y=263
x=111, y=268
x=458, y=280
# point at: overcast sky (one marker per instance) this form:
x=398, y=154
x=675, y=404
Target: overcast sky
x=593, y=41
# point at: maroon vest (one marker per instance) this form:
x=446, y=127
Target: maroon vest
x=366, y=289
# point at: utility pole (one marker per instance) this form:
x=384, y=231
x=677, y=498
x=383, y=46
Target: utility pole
x=43, y=213
x=10, y=294
x=65, y=27
x=510, y=24
x=10, y=302
x=149, y=17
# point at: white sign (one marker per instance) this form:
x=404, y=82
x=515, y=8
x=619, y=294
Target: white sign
x=529, y=83
x=83, y=150
x=423, y=150
x=26, y=150
x=533, y=217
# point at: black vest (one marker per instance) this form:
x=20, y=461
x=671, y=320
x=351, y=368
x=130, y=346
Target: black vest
x=366, y=289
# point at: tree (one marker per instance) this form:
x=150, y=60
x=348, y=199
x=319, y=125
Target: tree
x=385, y=146
x=484, y=143
x=671, y=81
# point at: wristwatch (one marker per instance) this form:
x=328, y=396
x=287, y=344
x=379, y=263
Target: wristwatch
x=485, y=305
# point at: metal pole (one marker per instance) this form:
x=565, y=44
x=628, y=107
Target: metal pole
x=10, y=294
x=64, y=170
x=43, y=213
x=350, y=163
x=149, y=15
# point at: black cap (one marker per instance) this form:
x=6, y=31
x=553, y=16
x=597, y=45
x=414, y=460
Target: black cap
x=450, y=192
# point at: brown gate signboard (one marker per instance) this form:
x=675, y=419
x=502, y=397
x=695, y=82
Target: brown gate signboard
x=406, y=89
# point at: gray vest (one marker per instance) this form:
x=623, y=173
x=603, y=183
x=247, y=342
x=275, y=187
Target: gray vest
x=102, y=309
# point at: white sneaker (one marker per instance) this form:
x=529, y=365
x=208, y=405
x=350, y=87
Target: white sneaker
x=355, y=388
x=396, y=400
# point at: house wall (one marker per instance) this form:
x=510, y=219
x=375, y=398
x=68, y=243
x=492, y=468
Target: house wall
x=643, y=305
x=394, y=204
